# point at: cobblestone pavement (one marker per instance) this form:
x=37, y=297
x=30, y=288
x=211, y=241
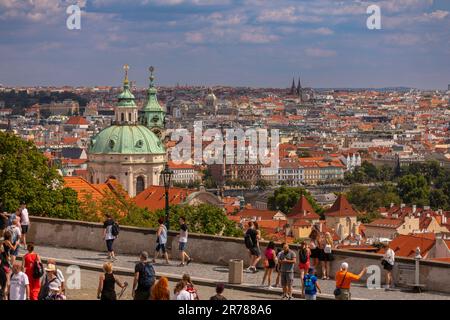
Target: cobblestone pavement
x=89, y=284
x=220, y=273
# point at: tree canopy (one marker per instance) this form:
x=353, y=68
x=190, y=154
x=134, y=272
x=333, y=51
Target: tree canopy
x=285, y=198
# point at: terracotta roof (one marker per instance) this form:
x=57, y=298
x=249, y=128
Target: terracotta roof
x=83, y=188
x=301, y=223
x=77, y=120
x=153, y=198
x=175, y=166
x=303, y=210
x=405, y=245
x=341, y=208
x=250, y=213
x=386, y=223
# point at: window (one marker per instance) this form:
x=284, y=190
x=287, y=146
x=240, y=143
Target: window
x=140, y=184
x=122, y=117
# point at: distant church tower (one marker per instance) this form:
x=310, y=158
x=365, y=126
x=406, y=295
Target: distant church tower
x=293, y=90
x=211, y=102
x=154, y=115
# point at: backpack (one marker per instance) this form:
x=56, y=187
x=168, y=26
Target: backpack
x=147, y=276
x=248, y=240
x=303, y=256
x=115, y=229
x=193, y=292
x=14, y=236
x=308, y=284
x=38, y=269
x=45, y=291
x=11, y=219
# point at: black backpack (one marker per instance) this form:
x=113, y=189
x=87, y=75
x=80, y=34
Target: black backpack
x=115, y=229
x=44, y=292
x=303, y=256
x=38, y=269
x=147, y=276
x=248, y=240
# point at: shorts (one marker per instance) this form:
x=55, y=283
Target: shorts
x=24, y=228
x=271, y=264
x=161, y=247
x=109, y=245
x=326, y=257
x=182, y=246
x=388, y=266
x=287, y=279
x=315, y=253
x=310, y=297
x=15, y=252
x=255, y=251
x=142, y=295
x=345, y=295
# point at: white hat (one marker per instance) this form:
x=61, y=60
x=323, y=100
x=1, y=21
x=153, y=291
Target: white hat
x=50, y=267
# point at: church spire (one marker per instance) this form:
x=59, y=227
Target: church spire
x=293, y=86
x=126, y=109
x=299, y=87
x=154, y=115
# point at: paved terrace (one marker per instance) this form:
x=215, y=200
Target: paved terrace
x=208, y=275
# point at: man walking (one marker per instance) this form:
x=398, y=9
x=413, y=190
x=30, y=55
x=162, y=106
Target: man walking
x=144, y=278
x=24, y=224
x=183, y=242
x=19, y=288
x=310, y=285
x=251, y=242
x=16, y=234
x=287, y=260
x=343, y=281
x=161, y=241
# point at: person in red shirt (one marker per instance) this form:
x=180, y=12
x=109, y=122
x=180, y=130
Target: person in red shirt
x=344, y=280
x=29, y=260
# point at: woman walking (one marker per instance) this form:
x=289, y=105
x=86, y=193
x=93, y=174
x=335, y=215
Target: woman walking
x=388, y=264
x=106, y=285
x=160, y=290
x=304, y=254
x=314, y=246
x=269, y=264
x=31, y=265
x=326, y=255
x=108, y=236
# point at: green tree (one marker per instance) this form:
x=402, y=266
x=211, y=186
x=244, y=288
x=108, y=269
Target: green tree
x=439, y=199
x=262, y=184
x=25, y=176
x=414, y=189
x=285, y=198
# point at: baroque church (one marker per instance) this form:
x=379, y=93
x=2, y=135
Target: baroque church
x=131, y=150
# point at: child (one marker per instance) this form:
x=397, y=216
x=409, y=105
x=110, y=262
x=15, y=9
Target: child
x=311, y=286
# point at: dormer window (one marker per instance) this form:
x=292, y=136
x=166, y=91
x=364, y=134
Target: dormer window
x=139, y=143
x=111, y=144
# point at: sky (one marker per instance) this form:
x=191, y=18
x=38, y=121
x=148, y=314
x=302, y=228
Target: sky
x=258, y=43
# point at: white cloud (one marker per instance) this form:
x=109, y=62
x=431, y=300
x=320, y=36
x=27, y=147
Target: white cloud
x=321, y=31
x=257, y=37
x=194, y=37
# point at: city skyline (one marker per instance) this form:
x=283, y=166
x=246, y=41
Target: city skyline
x=223, y=42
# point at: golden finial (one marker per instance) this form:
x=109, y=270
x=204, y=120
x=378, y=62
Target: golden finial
x=126, y=67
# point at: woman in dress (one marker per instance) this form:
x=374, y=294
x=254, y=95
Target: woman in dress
x=29, y=261
x=269, y=263
x=314, y=246
x=304, y=254
x=327, y=255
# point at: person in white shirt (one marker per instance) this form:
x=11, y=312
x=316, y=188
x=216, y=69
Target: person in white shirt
x=19, y=288
x=181, y=293
x=16, y=234
x=388, y=264
x=185, y=259
x=24, y=223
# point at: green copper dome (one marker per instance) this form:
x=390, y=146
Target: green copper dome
x=134, y=139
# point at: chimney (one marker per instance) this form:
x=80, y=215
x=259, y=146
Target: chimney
x=304, y=212
x=414, y=208
x=402, y=205
x=426, y=207
x=395, y=216
x=444, y=219
x=440, y=212
x=392, y=204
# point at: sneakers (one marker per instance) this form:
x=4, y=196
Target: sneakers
x=270, y=288
x=181, y=264
x=284, y=297
x=189, y=261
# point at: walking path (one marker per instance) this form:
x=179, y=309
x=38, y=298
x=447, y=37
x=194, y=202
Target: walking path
x=213, y=273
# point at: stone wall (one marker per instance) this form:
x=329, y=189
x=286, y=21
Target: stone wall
x=212, y=249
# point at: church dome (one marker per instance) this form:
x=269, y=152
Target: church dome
x=129, y=139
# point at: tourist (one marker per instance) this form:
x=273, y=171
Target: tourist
x=287, y=259
x=190, y=286
x=326, y=256
x=269, y=263
x=19, y=288
x=251, y=242
x=161, y=241
x=24, y=224
x=278, y=266
x=388, y=264
x=343, y=282
x=185, y=259
x=4, y=273
x=107, y=282
x=51, y=286
x=59, y=275
x=144, y=278
x=160, y=290
x=16, y=234
x=32, y=266
x=314, y=246
x=220, y=287
x=310, y=285
x=180, y=292
x=3, y=223
x=108, y=236
x=304, y=254
x=8, y=246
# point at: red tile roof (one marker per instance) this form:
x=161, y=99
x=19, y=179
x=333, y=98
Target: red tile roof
x=386, y=223
x=153, y=198
x=77, y=120
x=341, y=208
x=303, y=210
x=250, y=213
x=405, y=245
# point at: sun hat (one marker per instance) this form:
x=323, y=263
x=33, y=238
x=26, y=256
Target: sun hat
x=50, y=267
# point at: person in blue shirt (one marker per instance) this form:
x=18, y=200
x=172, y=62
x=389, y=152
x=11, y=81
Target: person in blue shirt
x=311, y=286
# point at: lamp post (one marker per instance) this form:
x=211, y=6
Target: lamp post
x=167, y=177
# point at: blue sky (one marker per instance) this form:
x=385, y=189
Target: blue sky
x=257, y=43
